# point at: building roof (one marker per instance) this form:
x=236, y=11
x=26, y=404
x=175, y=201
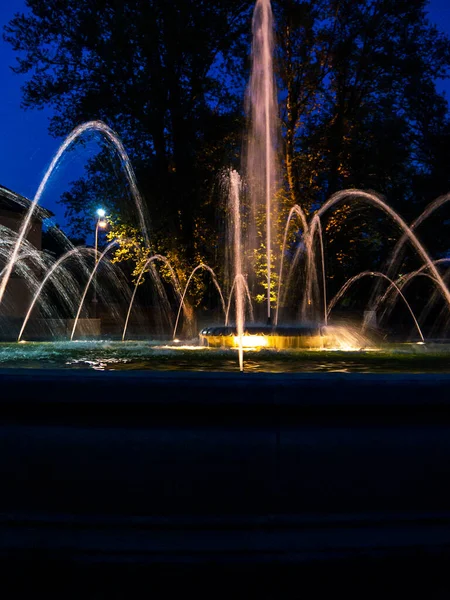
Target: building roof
x=13, y=202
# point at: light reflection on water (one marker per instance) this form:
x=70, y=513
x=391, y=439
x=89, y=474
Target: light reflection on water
x=154, y=355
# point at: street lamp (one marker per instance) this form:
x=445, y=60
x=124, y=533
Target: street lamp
x=101, y=224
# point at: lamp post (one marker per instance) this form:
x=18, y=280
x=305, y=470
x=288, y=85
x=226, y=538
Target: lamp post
x=101, y=224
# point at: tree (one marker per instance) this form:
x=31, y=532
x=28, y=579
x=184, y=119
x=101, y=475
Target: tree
x=359, y=108
x=356, y=76
x=158, y=73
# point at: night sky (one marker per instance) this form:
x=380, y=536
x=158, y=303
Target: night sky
x=26, y=148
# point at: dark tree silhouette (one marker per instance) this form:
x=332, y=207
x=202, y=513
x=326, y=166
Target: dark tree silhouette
x=359, y=106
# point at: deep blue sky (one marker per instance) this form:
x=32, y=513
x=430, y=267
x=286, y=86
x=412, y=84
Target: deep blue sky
x=26, y=149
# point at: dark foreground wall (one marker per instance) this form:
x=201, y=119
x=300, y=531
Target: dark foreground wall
x=170, y=467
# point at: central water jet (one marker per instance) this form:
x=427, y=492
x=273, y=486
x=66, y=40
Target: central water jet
x=261, y=166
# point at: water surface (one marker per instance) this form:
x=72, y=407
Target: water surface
x=107, y=355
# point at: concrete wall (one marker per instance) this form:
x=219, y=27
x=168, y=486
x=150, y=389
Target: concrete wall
x=211, y=463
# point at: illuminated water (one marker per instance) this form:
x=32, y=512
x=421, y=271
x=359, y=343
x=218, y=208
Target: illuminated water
x=261, y=160
x=105, y=355
x=60, y=289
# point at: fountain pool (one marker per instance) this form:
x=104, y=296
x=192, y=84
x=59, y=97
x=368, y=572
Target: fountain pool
x=107, y=355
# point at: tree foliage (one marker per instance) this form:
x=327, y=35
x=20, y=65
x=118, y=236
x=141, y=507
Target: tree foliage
x=359, y=108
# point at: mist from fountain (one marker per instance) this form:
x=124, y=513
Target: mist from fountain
x=405, y=280
x=48, y=276
x=98, y=262
x=295, y=211
x=248, y=298
x=356, y=278
x=370, y=198
x=183, y=296
x=175, y=283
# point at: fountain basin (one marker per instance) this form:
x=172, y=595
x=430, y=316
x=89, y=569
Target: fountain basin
x=307, y=336
x=279, y=338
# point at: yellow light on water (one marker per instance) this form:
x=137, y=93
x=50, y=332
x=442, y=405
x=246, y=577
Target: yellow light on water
x=185, y=347
x=251, y=341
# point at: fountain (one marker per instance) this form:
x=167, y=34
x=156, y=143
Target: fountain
x=165, y=471
x=252, y=230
